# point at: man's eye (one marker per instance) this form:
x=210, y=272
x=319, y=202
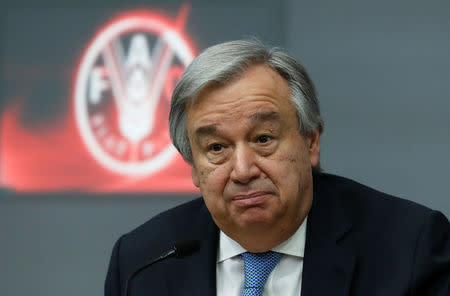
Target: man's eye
x=263, y=139
x=216, y=147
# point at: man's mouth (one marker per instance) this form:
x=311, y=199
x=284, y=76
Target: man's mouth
x=251, y=198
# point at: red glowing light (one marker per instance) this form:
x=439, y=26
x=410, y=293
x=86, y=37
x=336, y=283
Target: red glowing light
x=55, y=158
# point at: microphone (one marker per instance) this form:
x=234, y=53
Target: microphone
x=178, y=250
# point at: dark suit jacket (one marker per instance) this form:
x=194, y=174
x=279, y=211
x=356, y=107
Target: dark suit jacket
x=358, y=242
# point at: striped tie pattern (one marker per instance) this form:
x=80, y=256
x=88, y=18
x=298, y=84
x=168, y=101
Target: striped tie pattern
x=258, y=267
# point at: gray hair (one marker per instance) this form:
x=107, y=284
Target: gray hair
x=220, y=64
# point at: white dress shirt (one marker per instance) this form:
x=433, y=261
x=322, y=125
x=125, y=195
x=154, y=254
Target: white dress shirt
x=285, y=279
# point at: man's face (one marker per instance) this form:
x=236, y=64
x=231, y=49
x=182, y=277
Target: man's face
x=251, y=163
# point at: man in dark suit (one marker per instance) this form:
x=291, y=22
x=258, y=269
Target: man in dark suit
x=247, y=120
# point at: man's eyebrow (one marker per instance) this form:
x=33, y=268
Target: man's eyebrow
x=206, y=130
x=265, y=116
x=260, y=116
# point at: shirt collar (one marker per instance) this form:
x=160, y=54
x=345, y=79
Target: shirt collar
x=294, y=246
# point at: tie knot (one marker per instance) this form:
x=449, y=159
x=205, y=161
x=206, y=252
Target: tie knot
x=258, y=267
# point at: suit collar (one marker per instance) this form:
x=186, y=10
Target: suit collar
x=293, y=246
x=328, y=266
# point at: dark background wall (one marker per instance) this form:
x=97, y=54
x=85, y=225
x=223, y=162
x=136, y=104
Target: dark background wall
x=382, y=70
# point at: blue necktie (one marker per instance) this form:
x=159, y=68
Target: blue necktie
x=258, y=267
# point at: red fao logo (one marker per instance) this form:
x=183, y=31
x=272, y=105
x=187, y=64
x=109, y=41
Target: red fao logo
x=123, y=87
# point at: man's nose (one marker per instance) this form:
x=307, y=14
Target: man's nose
x=245, y=168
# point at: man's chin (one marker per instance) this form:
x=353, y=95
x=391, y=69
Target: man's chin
x=255, y=218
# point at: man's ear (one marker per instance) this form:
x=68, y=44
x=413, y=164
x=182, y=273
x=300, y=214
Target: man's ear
x=194, y=175
x=314, y=147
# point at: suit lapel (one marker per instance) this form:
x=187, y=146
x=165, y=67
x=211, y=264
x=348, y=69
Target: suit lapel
x=328, y=266
x=196, y=275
